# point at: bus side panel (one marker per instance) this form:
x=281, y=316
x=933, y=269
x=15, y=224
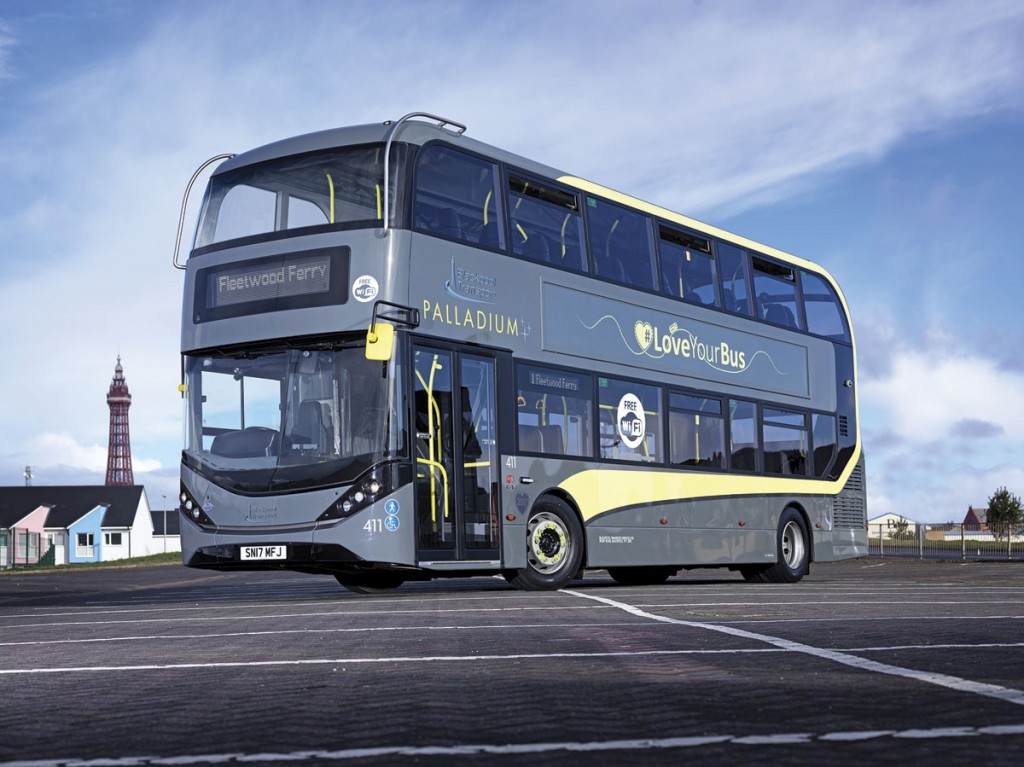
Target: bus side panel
x=706, y=532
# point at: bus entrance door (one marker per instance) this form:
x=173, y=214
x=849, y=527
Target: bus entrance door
x=456, y=455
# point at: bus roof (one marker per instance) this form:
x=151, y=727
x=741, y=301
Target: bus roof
x=420, y=132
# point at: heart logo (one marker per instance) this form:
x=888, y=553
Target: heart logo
x=644, y=334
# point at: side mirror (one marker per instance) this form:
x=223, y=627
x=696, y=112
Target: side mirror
x=380, y=341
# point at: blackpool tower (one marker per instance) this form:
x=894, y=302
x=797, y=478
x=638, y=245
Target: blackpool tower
x=119, y=449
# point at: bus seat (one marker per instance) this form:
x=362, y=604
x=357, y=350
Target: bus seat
x=250, y=442
x=448, y=223
x=537, y=249
x=611, y=268
x=780, y=315
x=312, y=426
x=489, y=235
x=552, y=436
x=530, y=439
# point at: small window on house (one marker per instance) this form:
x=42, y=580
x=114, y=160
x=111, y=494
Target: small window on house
x=85, y=543
x=112, y=539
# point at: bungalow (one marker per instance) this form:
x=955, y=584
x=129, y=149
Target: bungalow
x=84, y=523
x=21, y=533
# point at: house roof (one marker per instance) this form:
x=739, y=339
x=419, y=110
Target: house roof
x=173, y=521
x=976, y=515
x=69, y=503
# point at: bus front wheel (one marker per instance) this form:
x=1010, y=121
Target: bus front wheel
x=554, y=547
x=794, y=553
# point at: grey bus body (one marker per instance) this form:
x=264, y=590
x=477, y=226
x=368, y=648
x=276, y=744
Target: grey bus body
x=528, y=417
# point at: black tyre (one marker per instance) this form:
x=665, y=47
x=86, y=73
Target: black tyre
x=794, y=553
x=641, y=576
x=554, y=547
x=373, y=582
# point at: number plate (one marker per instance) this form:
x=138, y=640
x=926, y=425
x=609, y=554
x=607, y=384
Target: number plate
x=264, y=552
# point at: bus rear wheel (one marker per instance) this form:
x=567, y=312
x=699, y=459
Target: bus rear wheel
x=373, y=582
x=554, y=547
x=793, y=551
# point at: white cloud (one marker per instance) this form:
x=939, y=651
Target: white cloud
x=928, y=392
x=948, y=498
x=60, y=450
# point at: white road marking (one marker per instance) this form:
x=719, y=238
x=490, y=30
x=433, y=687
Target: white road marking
x=495, y=749
x=1007, y=694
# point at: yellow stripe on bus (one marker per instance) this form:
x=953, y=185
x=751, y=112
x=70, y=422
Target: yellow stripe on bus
x=597, y=491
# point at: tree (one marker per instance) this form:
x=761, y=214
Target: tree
x=1004, y=512
x=901, y=530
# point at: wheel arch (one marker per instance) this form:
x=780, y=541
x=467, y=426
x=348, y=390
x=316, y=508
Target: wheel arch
x=567, y=498
x=798, y=507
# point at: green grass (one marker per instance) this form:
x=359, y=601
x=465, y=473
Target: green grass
x=170, y=558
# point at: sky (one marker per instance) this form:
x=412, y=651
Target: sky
x=881, y=139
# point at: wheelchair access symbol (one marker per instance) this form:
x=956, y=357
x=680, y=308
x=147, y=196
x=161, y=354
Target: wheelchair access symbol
x=391, y=521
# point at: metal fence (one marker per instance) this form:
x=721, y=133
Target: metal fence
x=946, y=541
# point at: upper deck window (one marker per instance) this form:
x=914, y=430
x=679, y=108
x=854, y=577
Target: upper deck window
x=457, y=197
x=825, y=315
x=545, y=223
x=687, y=267
x=620, y=244
x=735, y=274
x=775, y=288
x=338, y=187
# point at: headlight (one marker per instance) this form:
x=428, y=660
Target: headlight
x=375, y=484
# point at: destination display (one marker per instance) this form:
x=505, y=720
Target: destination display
x=295, y=281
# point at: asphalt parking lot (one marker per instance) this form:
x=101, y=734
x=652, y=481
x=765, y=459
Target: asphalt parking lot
x=865, y=662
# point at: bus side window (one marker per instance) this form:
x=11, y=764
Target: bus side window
x=743, y=442
x=824, y=311
x=457, y=197
x=554, y=411
x=775, y=287
x=687, y=267
x=733, y=271
x=697, y=431
x=823, y=433
x=545, y=223
x=784, y=435
x=621, y=244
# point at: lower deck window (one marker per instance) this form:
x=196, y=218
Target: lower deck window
x=630, y=421
x=785, y=442
x=553, y=409
x=697, y=431
x=743, y=445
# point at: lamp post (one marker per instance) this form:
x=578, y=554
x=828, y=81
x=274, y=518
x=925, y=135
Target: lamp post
x=165, y=523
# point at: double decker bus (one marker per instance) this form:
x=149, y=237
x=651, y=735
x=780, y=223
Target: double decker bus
x=407, y=354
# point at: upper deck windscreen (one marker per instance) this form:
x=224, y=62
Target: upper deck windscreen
x=337, y=187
